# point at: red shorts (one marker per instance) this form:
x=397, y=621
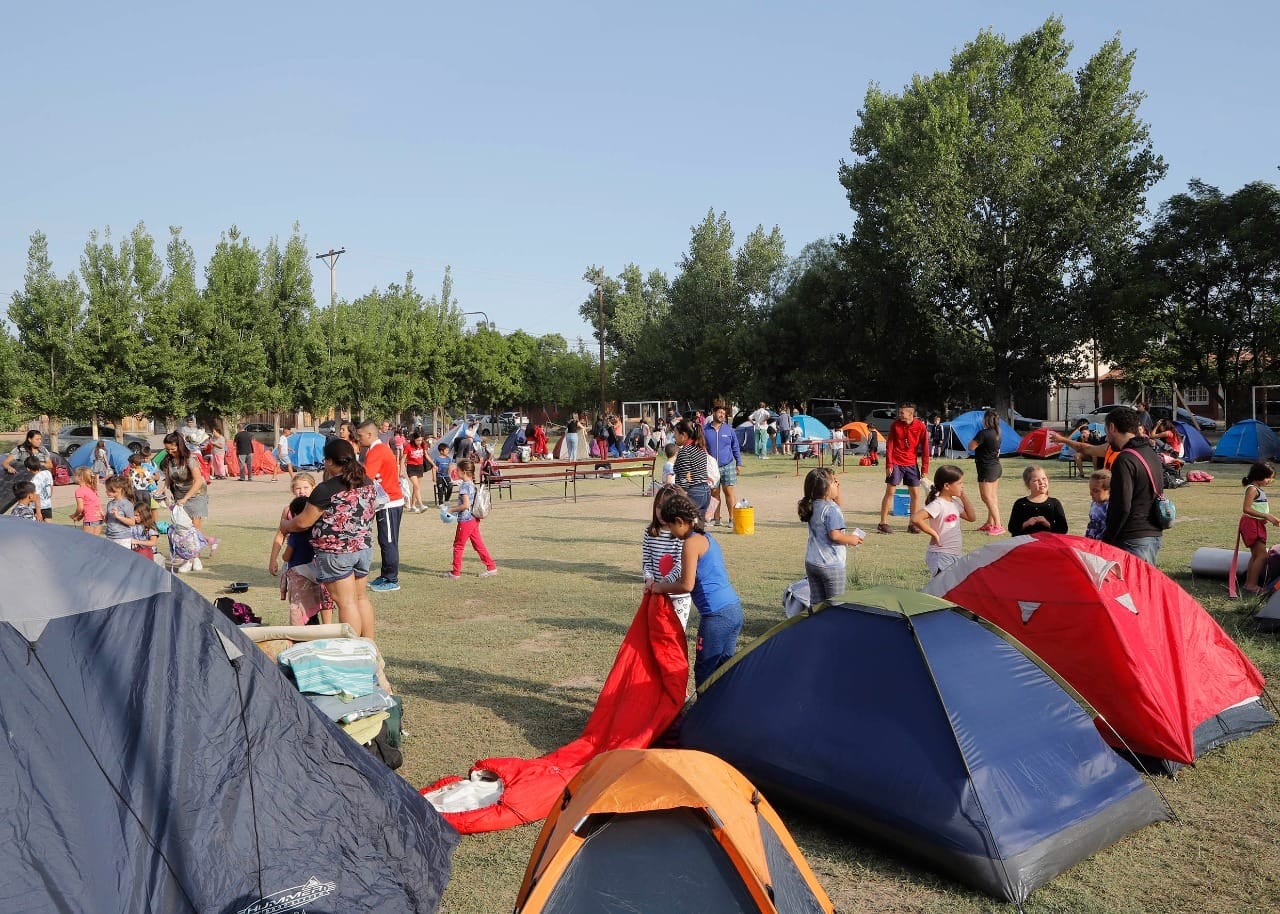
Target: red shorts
x=1253, y=531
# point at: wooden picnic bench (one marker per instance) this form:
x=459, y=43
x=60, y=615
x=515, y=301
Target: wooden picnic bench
x=567, y=473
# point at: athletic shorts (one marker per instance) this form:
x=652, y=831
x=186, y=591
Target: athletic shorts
x=337, y=566
x=989, y=472
x=729, y=474
x=907, y=474
x=1253, y=531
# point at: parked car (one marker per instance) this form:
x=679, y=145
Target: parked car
x=328, y=427
x=73, y=437
x=501, y=424
x=264, y=432
x=1022, y=424
x=1204, y=423
x=1099, y=415
x=881, y=418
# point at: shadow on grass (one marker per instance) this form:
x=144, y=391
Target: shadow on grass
x=548, y=717
x=589, y=570
x=586, y=623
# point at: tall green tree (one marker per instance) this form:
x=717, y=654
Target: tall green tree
x=177, y=329
x=237, y=357
x=630, y=301
x=47, y=315
x=717, y=307
x=996, y=186
x=11, y=380
x=288, y=298
x=1200, y=300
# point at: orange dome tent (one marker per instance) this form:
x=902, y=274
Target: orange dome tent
x=671, y=830
x=855, y=431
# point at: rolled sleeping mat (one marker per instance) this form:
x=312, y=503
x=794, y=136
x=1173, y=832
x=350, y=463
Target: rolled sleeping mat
x=1216, y=563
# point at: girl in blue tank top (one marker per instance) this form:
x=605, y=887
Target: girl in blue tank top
x=702, y=574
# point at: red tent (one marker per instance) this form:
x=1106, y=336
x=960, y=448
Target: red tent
x=1155, y=666
x=1036, y=443
x=263, y=461
x=641, y=697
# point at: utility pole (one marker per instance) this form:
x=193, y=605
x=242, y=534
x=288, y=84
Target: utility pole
x=332, y=259
x=600, y=316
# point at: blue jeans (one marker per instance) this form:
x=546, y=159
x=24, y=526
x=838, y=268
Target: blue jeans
x=571, y=446
x=717, y=640
x=700, y=495
x=1146, y=548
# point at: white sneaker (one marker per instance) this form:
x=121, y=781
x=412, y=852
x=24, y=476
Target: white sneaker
x=184, y=568
x=197, y=565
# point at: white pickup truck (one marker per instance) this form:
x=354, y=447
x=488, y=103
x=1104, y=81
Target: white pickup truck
x=502, y=424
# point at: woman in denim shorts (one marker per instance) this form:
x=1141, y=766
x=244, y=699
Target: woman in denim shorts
x=339, y=514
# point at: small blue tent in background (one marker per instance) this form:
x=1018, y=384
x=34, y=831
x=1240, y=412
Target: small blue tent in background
x=957, y=434
x=1248, y=441
x=897, y=715
x=1194, y=444
x=117, y=455
x=306, y=449
x=810, y=430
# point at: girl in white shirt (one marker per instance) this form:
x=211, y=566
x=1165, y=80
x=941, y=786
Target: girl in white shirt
x=940, y=518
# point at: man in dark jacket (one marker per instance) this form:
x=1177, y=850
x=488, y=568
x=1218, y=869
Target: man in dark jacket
x=244, y=452
x=1133, y=492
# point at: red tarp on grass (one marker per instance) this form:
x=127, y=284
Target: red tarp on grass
x=640, y=699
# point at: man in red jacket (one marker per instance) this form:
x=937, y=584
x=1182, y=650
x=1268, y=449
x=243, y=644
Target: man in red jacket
x=381, y=465
x=906, y=462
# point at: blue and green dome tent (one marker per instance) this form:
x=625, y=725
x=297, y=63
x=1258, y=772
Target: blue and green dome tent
x=902, y=717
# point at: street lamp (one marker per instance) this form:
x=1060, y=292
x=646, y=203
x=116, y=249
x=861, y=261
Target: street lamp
x=598, y=280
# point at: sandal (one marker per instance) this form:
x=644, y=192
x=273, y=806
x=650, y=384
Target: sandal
x=984, y=528
x=997, y=530
x=883, y=528
x=1253, y=590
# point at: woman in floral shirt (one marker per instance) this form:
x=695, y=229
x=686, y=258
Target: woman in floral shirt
x=339, y=514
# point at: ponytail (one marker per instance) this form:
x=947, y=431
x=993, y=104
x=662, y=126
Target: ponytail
x=342, y=455
x=942, y=477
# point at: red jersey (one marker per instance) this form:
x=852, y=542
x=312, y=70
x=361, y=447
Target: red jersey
x=906, y=443
x=380, y=464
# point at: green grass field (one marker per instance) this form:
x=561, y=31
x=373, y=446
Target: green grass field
x=511, y=666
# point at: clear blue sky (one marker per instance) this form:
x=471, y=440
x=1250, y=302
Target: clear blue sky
x=523, y=142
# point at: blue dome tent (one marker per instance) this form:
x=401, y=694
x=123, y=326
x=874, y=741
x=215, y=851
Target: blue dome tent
x=180, y=771
x=307, y=450
x=117, y=456
x=1194, y=444
x=810, y=430
x=1248, y=441
x=897, y=715
x=957, y=434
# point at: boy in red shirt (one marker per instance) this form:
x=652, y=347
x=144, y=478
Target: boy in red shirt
x=906, y=445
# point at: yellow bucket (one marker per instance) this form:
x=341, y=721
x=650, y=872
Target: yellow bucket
x=744, y=521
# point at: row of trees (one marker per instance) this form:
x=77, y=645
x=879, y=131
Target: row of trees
x=997, y=242
x=135, y=333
